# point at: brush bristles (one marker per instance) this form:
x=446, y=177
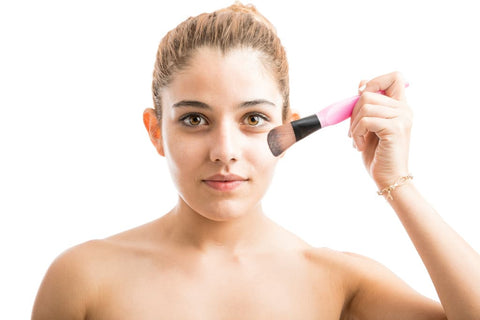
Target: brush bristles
x=281, y=138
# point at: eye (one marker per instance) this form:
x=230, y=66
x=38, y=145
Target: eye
x=255, y=119
x=193, y=120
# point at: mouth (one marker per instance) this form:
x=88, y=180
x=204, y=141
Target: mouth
x=225, y=182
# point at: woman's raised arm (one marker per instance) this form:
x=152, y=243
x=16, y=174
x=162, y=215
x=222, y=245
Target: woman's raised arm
x=380, y=128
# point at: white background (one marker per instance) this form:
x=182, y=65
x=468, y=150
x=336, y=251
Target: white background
x=76, y=162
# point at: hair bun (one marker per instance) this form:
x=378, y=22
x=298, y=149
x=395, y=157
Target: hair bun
x=239, y=7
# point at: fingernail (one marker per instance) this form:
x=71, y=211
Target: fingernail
x=362, y=87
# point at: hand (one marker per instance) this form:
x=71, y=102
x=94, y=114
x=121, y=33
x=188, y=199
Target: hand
x=380, y=127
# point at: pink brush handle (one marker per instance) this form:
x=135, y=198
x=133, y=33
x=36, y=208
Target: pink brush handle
x=339, y=111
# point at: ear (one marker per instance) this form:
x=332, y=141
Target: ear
x=154, y=129
x=293, y=116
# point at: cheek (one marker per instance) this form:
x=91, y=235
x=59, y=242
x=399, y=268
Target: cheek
x=261, y=157
x=183, y=156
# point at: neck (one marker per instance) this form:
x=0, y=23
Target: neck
x=233, y=235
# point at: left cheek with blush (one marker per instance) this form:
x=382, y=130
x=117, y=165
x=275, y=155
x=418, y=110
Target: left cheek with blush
x=261, y=156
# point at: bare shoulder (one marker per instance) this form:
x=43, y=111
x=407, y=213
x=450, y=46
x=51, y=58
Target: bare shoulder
x=372, y=291
x=74, y=280
x=347, y=264
x=69, y=284
x=353, y=267
x=345, y=267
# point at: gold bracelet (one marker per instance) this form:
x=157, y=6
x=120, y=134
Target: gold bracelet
x=388, y=190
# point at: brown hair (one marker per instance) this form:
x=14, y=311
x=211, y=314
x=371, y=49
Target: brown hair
x=234, y=27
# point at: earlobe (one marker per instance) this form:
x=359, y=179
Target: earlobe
x=153, y=127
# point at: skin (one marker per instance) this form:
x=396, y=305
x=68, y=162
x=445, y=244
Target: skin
x=217, y=256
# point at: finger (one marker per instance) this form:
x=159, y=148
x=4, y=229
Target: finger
x=372, y=111
x=393, y=84
x=370, y=98
x=361, y=86
x=366, y=125
x=376, y=99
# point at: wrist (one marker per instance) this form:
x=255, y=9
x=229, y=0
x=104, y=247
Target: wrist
x=388, y=189
x=389, y=177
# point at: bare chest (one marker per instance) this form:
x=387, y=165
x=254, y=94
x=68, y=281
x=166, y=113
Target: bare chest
x=221, y=291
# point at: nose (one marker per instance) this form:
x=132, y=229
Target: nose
x=225, y=144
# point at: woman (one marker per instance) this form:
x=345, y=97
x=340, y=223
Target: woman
x=220, y=85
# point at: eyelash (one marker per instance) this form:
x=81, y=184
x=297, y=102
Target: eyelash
x=263, y=118
x=185, y=119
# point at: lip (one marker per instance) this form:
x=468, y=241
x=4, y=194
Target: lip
x=225, y=182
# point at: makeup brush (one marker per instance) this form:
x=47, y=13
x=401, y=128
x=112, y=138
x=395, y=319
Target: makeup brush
x=283, y=137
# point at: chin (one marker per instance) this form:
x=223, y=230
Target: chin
x=225, y=210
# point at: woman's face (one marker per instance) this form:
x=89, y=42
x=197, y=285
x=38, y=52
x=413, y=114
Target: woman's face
x=217, y=113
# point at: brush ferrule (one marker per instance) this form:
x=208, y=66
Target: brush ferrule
x=305, y=126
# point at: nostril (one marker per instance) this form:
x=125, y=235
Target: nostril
x=233, y=159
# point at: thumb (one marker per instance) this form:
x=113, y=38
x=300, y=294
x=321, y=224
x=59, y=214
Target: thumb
x=392, y=85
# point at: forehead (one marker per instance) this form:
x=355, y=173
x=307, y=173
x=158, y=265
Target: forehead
x=232, y=77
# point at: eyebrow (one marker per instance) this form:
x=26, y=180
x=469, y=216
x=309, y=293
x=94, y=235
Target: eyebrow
x=256, y=102
x=202, y=105
x=191, y=103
